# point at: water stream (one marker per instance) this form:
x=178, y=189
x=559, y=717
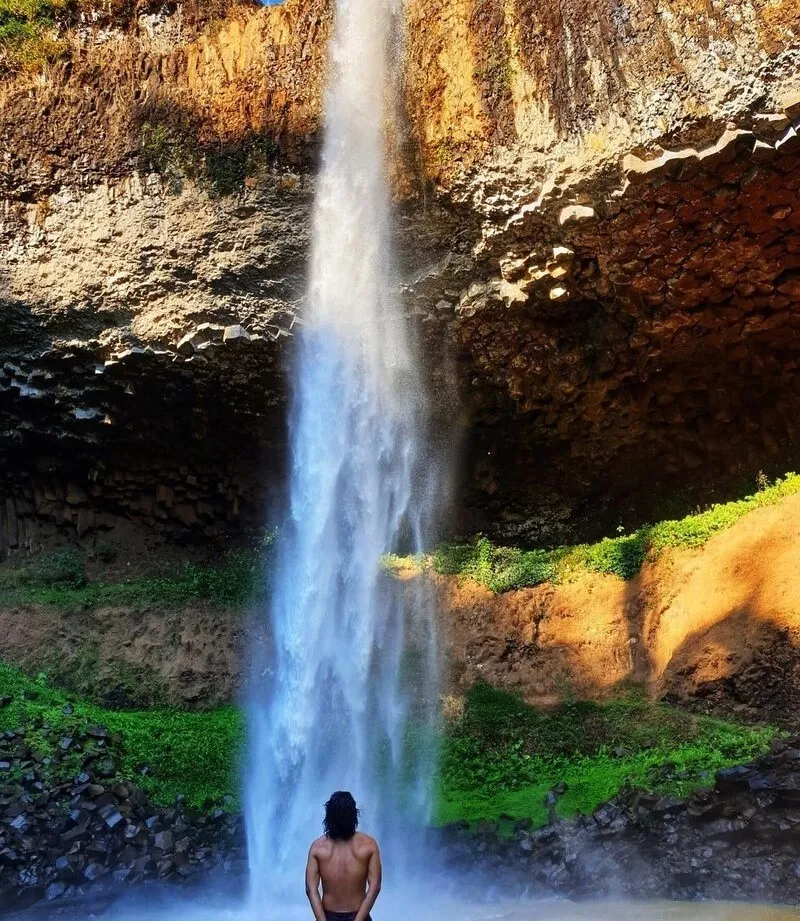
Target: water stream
x=345, y=694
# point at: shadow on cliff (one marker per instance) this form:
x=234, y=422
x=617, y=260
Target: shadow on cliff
x=723, y=631
x=22, y=331
x=746, y=666
x=175, y=141
x=133, y=447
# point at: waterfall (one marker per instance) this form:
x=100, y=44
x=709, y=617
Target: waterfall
x=345, y=695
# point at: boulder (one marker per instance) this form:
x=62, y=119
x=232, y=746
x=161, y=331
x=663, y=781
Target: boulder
x=574, y=214
x=235, y=335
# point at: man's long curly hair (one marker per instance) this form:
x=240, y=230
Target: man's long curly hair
x=341, y=816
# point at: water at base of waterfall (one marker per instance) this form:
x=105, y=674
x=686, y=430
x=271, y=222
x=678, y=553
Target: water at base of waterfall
x=402, y=904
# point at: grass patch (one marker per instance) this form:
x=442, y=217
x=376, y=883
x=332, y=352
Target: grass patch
x=189, y=753
x=59, y=581
x=504, y=568
x=501, y=757
x=498, y=759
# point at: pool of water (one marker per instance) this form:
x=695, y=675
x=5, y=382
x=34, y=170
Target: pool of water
x=165, y=903
x=630, y=911
x=397, y=908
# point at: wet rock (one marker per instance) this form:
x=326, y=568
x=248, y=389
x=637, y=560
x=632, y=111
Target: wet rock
x=94, y=871
x=55, y=891
x=111, y=816
x=164, y=841
x=734, y=778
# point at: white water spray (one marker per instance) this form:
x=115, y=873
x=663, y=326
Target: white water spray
x=347, y=695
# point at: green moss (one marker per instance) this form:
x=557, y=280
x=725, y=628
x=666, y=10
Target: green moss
x=172, y=145
x=190, y=753
x=59, y=581
x=505, y=568
x=502, y=756
x=113, y=683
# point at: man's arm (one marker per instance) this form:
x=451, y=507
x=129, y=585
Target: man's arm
x=312, y=886
x=374, y=879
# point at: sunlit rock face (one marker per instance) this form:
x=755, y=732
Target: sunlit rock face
x=598, y=232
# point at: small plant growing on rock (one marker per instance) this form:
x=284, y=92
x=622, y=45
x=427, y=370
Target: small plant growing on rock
x=65, y=568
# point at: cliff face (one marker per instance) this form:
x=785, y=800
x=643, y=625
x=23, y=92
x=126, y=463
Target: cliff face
x=597, y=229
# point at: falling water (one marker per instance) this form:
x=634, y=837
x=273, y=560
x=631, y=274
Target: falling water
x=346, y=695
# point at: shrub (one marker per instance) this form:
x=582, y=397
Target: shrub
x=501, y=756
x=28, y=38
x=503, y=568
x=63, y=568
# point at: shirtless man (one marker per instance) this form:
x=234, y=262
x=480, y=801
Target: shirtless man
x=346, y=862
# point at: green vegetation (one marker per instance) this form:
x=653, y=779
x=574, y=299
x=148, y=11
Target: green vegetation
x=59, y=580
x=166, y=752
x=498, y=759
x=111, y=682
x=28, y=39
x=171, y=145
x=501, y=757
x=505, y=568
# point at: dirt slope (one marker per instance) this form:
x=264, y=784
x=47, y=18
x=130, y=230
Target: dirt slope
x=719, y=622
x=717, y=625
x=125, y=657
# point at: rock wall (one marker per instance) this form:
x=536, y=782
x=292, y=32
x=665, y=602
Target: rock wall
x=132, y=397
x=597, y=235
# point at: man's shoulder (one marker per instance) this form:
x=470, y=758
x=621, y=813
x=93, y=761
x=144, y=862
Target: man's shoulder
x=320, y=846
x=365, y=842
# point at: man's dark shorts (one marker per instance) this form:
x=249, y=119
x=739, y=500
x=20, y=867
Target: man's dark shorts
x=343, y=915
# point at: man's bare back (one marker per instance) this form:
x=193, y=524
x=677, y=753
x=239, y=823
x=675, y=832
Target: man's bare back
x=349, y=870
x=343, y=870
